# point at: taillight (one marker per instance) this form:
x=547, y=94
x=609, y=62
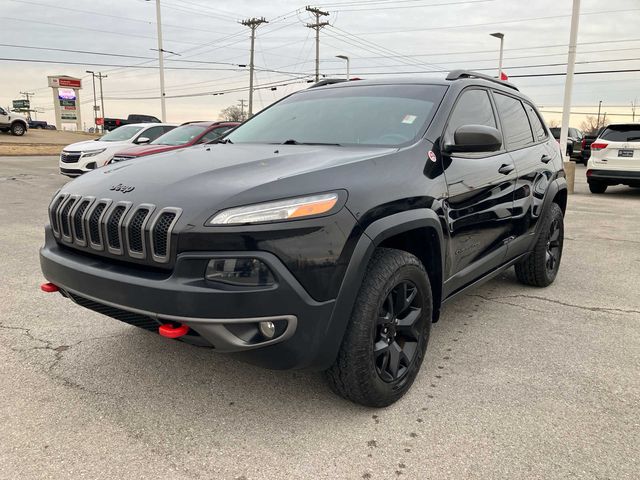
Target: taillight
x=584, y=143
x=598, y=146
x=589, y=173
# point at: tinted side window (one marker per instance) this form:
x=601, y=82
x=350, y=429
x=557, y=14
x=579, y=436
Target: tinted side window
x=539, y=131
x=515, y=125
x=152, y=133
x=473, y=108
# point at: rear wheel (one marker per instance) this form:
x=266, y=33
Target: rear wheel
x=596, y=187
x=386, y=339
x=540, y=268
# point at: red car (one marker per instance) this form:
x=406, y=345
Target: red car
x=185, y=135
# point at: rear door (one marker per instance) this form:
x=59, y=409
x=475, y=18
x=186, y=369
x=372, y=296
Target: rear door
x=480, y=196
x=534, y=153
x=618, y=147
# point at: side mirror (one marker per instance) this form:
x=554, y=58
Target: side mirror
x=475, y=138
x=143, y=140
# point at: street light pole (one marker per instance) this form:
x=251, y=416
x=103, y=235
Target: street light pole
x=344, y=57
x=501, y=37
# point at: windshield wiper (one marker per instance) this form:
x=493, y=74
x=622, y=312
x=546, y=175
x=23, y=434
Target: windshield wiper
x=225, y=140
x=295, y=142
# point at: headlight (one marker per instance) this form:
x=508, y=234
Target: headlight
x=276, y=211
x=92, y=153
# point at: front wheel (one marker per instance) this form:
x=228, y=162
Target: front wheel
x=387, y=337
x=18, y=129
x=540, y=268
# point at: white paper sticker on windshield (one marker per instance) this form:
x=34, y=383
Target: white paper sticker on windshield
x=409, y=119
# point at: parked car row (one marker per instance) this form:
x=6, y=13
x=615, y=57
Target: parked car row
x=137, y=140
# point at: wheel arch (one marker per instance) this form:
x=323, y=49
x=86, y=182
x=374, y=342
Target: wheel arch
x=405, y=231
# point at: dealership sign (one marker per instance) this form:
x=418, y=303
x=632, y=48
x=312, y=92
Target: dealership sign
x=66, y=99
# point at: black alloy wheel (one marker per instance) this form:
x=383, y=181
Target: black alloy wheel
x=398, y=332
x=553, y=247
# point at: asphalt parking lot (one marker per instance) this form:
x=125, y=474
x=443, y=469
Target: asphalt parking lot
x=517, y=383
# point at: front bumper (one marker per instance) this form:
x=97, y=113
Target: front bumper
x=219, y=316
x=83, y=164
x=614, y=177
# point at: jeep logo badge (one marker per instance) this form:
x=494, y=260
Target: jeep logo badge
x=122, y=188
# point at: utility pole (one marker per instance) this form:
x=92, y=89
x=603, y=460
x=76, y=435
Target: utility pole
x=27, y=95
x=242, y=100
x=95, y=102
x=252, y=23
x=100, y=77
x=316, y=12
x=568, y=88
x=634, y=104
x=599, y=107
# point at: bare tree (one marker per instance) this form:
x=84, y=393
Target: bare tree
x=554, y=123
x=591, y=125
x=232, y=114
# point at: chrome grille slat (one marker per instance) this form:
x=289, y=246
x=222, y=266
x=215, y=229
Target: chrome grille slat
x=160, y=233
x=118, y=228
x=63, y=217
x=53, y=213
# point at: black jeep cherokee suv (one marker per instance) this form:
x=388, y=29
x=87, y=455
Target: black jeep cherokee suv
x=326, y=232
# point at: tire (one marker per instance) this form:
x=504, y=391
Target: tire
x=595, y=187
x=540, y=268
x=376, y=339
x=18, y=129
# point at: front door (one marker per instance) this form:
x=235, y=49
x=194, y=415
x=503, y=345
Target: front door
x=480, y=197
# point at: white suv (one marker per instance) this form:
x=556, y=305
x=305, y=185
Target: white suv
x=13, y=122
x=615, y=157
x=82, y=157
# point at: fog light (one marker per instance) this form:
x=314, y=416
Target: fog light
x=268, y=329
x=246, y=272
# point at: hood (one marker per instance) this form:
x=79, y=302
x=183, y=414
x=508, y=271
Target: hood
x=94, y=145
x=141, y=150
x=222, y=175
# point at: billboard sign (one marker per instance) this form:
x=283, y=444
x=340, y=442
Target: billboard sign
x=21, y=104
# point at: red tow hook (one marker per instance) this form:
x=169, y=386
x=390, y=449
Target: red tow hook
x=169, y=331
x=49, y=287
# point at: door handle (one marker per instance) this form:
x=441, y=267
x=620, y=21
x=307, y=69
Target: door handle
x=545, y=159
x=506, y=169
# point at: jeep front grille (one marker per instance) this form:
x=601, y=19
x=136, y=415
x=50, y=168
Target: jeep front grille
x=118, y=228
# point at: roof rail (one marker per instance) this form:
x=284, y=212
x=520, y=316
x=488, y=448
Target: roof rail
x=458, y=74
x=328, y=81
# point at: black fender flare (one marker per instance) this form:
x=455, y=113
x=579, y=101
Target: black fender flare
x=555, y=186
x=373, y=236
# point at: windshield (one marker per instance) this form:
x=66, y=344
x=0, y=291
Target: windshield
x=621, y=133
x=375, y=115
x=121, y=133
x=180, y=135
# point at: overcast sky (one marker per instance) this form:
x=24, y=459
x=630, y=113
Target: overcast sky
x=381, y=37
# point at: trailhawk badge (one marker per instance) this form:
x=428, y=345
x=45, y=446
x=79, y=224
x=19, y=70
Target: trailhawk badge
x=122, y=188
